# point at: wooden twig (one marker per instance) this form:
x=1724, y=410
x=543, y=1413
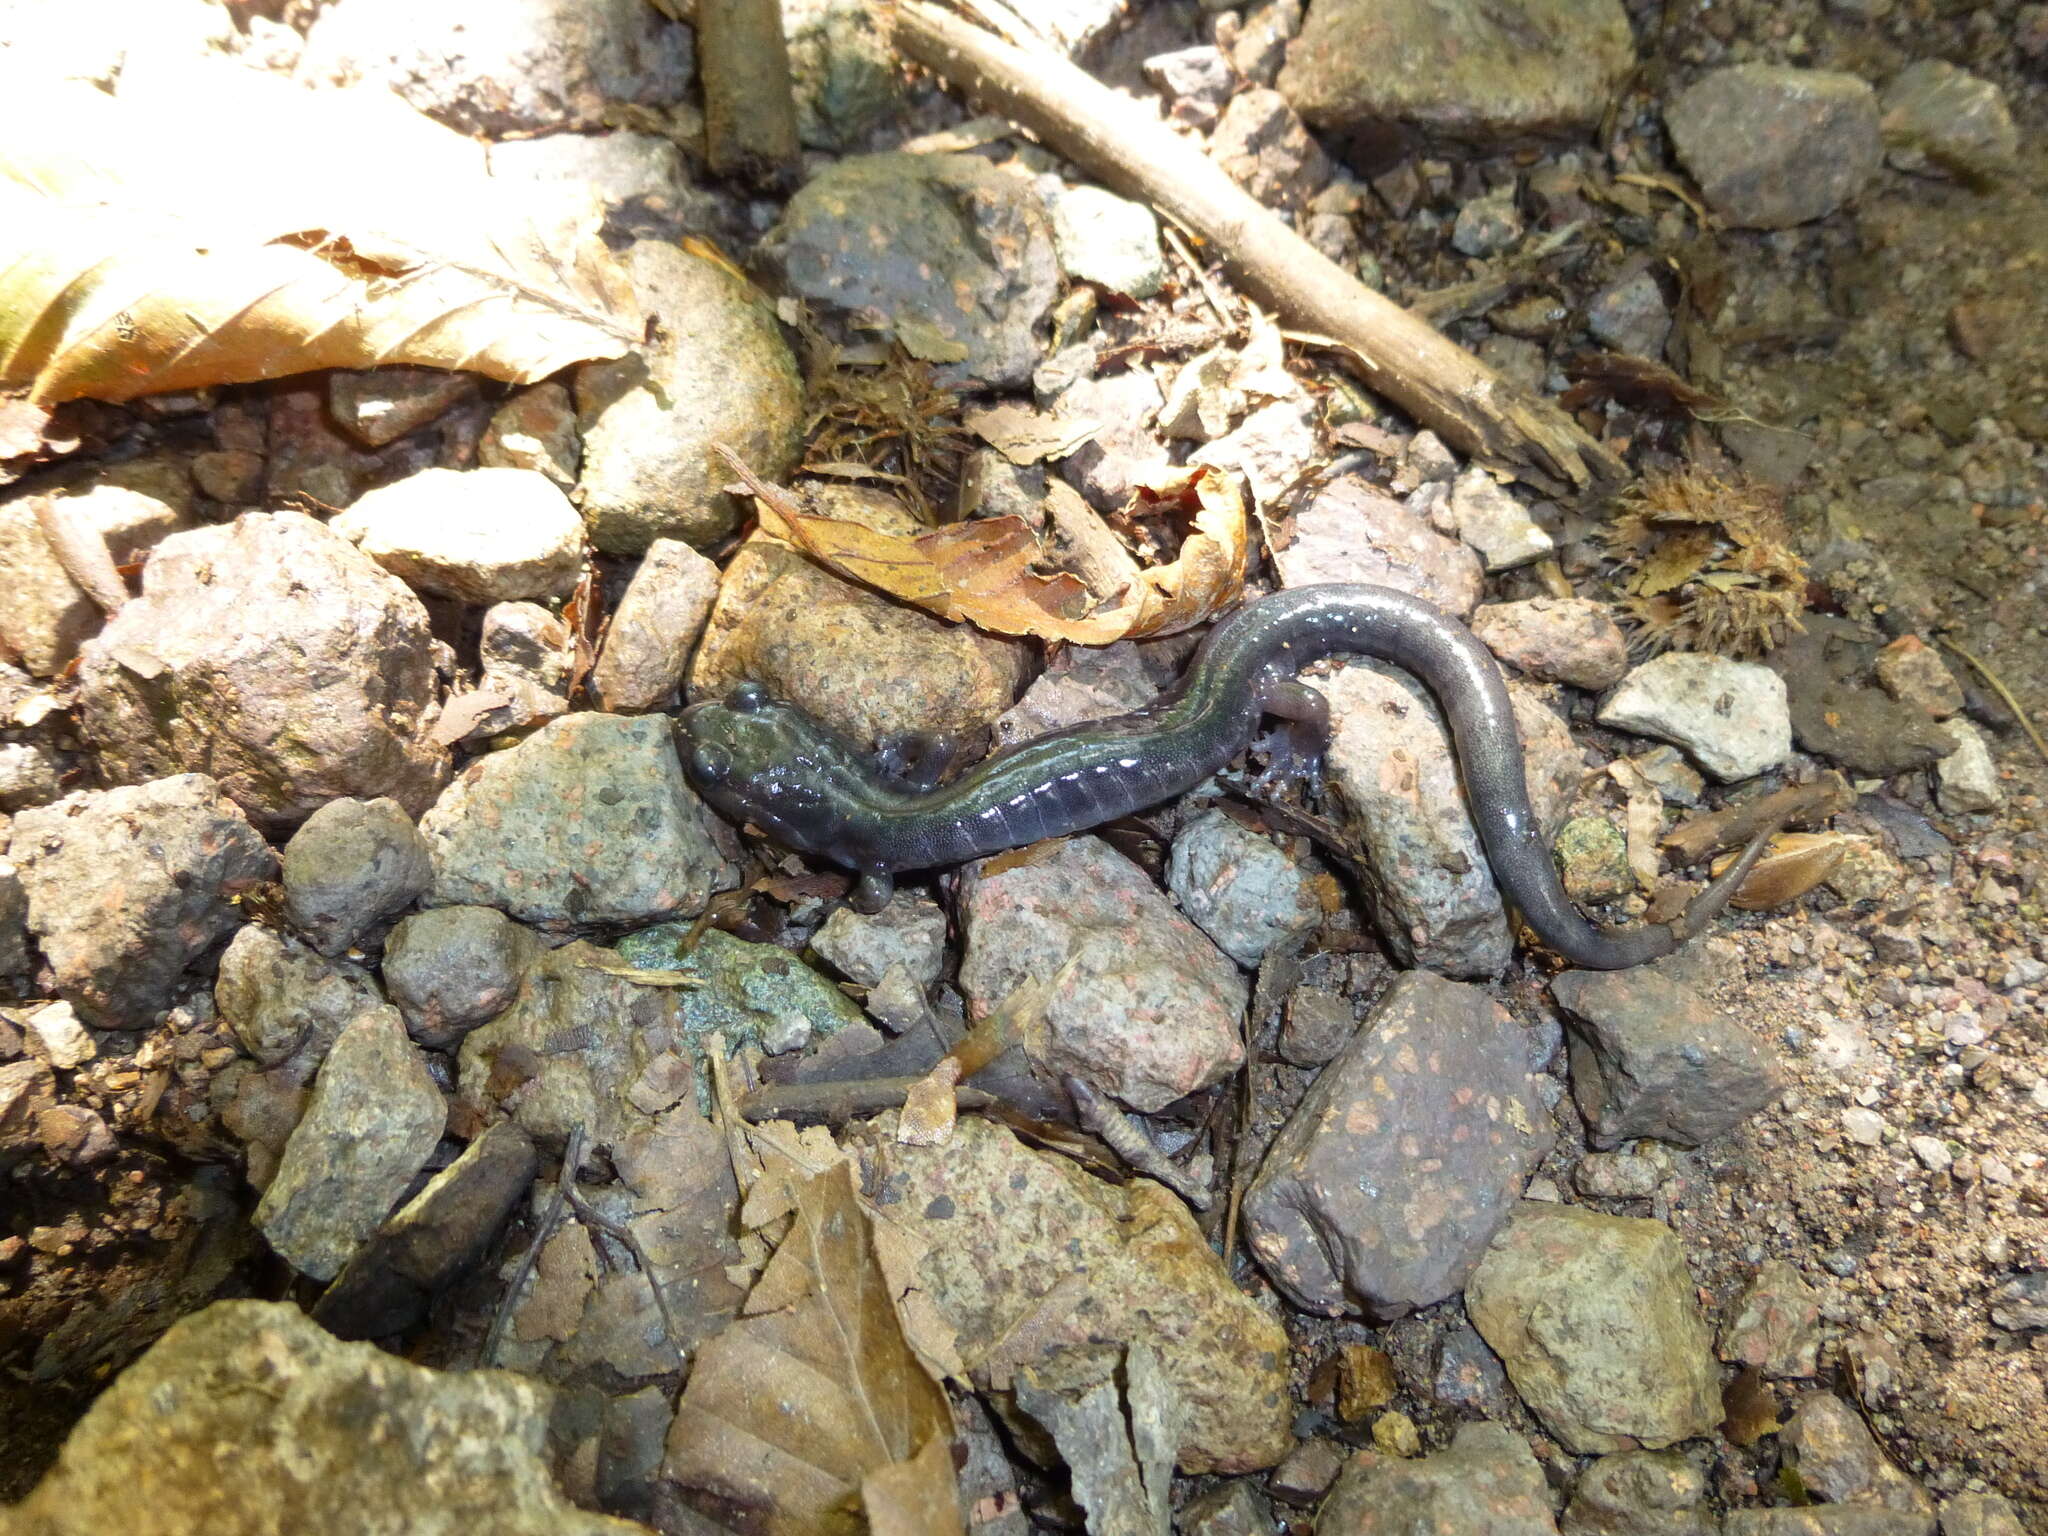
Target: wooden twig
x=749, y=107
x=590, y=1216
x=1400, y=357
x=572, y=1159
x=835, y=1103
x=1795, y=805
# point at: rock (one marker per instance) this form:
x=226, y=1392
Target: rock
x=371, y=1124
x=1671, y=776
x=1771, y=146
x=187, y=675
x=353, y=864
x=56, y=1036
x=1639, y=1493
x=1405, y=1156
x=1556, y=639
x=1489, y=519
x=28, y=1089
x=641, y=178
x=1592, y=857
x=493, y=69
x=720, y=373
x=47, y=616
x=910, y=932
x=1865, y=1127
x=1840, y=1461
x=1466, y=1374
x=842, y=70
x=1003, y=1225
x=1837, y=714
x=1775, y=1325
x=1197, y=81
x=1939, y=120
x=1980, y=1514
x=74, y=1135
x=1306, y=1473
x=586, y=822
x=477, y=536
x=1239, y=888
x=1274, y=447
x=865, y=666
x=1365, y=1381
x=432, y=1240
x=1264, y=146
x=28, y=776
x=526, y=656
x=1967, y=779
x=1228, y=1509
x=449, y=969
x=1616, y=1176
x=1317, y=1026
x=1105, y=469
x=284, y=1001
x=1912, y=672
x=1140, y=1005
x=535, y=428
x=1350, y=531
x=1486, y=1482
x=1380, y=77
x=1087, y=683
x=370, y=1441
x=1651, y=1057
x=15, y=957
x=958, y=258
x=1596, y=1320
x=655, y=628
x=1731, y=716
x=127, y=887
x=2022, y=1302
x=377, y=406
x=1394, y=776
x=1631, y=315
x=1108, y=240
x=1487, y=226
x=1822, y=1520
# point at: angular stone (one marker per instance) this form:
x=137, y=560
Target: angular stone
x=284, y=1001
x=655, y=628
x=351, y=865
x=1486, y=1482
x=910, y=931
x=1639, y=1493
x=1556, y=639
x=1404, y=1157
x=1967, y=779
x=1240, y=888
x=476, y=536
x=449, y=969
x=1731, y=716
x=1839, y=1460
x=1771, y=146
x=1353, y=531
x=1775, y=1327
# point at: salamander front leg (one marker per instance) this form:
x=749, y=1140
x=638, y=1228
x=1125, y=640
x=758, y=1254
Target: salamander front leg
x=872, y=892
x=1299, y=751
x=914, y=761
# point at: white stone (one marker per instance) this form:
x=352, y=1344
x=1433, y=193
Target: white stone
x=1110, y=240
x=478, y=536
x=1864, y=1126
x=64, y=1041
x=1731, y=716
x=1967, y=779
x=1490, y=519
x=1934, y=1154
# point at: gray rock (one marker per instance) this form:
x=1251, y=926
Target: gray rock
x=526, y=656
x=1273, y=447
x=910, y=932
x=1108, y=240
x=1087, y=683
x=436, y=1236
x=1839, y=713
x=284, y=1001
x=721, y=373
x=377, y=406
x=1351, y=531
x=626, y=171
x=2022, y=1302
x=1381, y=75
x=1318, y=1025
x=54, y=1035
x=1639, y=1493
x=1486, y=1482
x=1487, y=226
x=588, y=821
x=369, y=1441
x=372, y=1122
x=1596, y=1320
x=127, y=887
x=1305, y=1476
x=449, y=969
x=1466, y=1374
x=1489, y=519
x=1239, y=887
x=497, y=67
x=28, y=776
x=1141, y=1005
x=1197, y=81
x=655, y=628
x=1775, y=1324
x=1940, y=120
x=28, y=1088
x=1651, y=1057
x=1840, y=1461
x=1631, y=315
x=535, y=429
x=353, y=864
x=1616, y=1176
x=476, y=536
x=1556, y=639
x=1264, y=146
x=1823, y=1520
x=1229, y=1509
x=1967, y=779
x=959, y=258
x=1771, y=146
x=1404, y=1157
x=842, y=70
x=1732, y=716
x=14, y=944
x=1123, y=405
x=1980, y=1514
x=1397, y=782
x=187, y=675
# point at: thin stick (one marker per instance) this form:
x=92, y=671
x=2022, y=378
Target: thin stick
x=1399, y=356
x=572, y=1159
x=1998, y=687
x=592, y=1217
x=1209, y=289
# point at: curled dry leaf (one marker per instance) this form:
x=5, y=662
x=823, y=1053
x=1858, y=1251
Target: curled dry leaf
x=983, y=571
x=353, y=232
x=1793, y=864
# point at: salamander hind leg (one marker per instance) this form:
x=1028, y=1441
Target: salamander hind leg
x=872, y=892
x=1299, y=746
x=914, y=761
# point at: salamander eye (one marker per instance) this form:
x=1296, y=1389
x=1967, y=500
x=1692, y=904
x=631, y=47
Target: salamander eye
x=710, y=763
x=747, y=698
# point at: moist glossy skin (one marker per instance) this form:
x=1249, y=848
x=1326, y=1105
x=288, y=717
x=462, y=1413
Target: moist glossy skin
x=770, y=763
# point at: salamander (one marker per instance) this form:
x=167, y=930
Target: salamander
x=770, y=763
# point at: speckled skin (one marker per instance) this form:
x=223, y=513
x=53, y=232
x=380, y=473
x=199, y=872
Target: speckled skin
x=771, y=764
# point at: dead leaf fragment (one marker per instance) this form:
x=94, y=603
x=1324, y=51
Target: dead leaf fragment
x=1793, y=864
x=1025, y=436
x=1751, y=1408
x=917, y=1497
x=791, y=1411
x=130, y=266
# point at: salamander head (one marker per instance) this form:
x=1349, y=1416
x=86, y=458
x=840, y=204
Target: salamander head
x=763, y=761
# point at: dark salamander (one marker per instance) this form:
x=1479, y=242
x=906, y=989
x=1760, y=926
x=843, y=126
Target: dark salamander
x=771, y=764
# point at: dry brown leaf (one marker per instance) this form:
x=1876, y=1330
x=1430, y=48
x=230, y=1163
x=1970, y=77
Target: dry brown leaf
x=981, y=572
x=917, y=1497
x=1793, y=864
x=790, y=1411
x=1025, y=436
x=353, y=232
x=1751, y=1408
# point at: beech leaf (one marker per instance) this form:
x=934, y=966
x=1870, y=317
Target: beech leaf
x=795, y=1409
x=352, y=232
